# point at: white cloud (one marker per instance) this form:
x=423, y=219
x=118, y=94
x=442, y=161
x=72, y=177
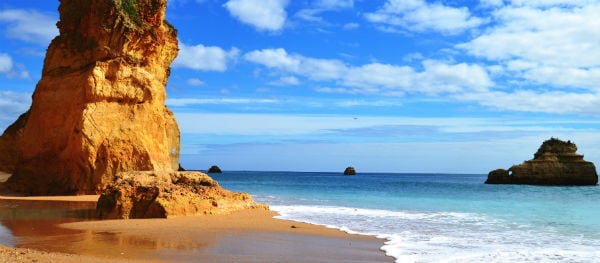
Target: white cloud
x=319, y=6
x=491, y=3
x=11, y=69
x=549, y=3
x=205, y=58
x=334, y=4
x=556, y=102
x=437, y=77
x=351, y=26
x=274, y=58
x=286, y=81
x=336, y=90
x=555, y=46
x=316, y=69
x=6, y=63
x=310, y=14
x=29, y=25
x=322, y=69
x=380, y=76
x=550, y=36
x=264, y=15
x=420, y=16
x=12, y=104
x=195, y=82
x=366, y=103
x=452, y=78
x=182, y=102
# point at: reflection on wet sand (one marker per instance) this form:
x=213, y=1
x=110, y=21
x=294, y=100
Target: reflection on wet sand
x=36, y=225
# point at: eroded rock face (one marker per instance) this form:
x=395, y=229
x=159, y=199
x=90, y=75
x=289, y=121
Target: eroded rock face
x=168, y=194
x=556, y=162
x=99, y=108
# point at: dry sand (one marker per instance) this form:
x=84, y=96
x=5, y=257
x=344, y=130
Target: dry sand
x=245, y=236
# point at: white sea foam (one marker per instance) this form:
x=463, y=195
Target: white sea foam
x=449, y=236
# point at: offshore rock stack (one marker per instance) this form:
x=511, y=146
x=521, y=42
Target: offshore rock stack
x=555, y=163
x=99, y=108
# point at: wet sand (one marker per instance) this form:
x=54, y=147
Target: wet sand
x=43, y=231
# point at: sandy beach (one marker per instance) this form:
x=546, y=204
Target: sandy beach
x=245, y=236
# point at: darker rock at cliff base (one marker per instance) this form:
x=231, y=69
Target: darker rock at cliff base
x=167, y=194
x=350, y=171
x=214, y=170
x=555, y=163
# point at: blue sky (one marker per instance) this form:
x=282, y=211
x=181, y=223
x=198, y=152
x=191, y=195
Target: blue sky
x=387, y=85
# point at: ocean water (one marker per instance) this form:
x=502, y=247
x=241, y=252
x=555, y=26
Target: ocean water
x=438, y=217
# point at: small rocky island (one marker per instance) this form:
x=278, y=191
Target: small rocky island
x=214, y=170
x=555, y=163
x=350, y=171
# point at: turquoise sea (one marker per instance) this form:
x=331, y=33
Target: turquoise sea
x=438, y=217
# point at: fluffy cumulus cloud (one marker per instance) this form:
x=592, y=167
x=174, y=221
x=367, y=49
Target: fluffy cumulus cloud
x=11, y=69
x=27, y=25
x=205, y=58
x=421, y=16
x=548, y=49
x=312, y=68
x=437, y=77
x=264, y=15
x=543, y=37
x=274, y=58
x=6, y=63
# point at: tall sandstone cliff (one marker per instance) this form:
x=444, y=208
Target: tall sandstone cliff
x=99, y=108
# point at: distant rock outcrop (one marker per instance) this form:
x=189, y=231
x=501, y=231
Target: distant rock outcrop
x=214, y=170
x=350, y=171
x=168, y=194
x=555, y=163
x=99, y=108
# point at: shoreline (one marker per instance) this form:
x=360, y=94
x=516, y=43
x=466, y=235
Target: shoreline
x=243, y=236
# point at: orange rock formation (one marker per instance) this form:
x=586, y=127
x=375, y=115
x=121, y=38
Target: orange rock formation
x=99, y=108
x=168, y=194
x=556, y=162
